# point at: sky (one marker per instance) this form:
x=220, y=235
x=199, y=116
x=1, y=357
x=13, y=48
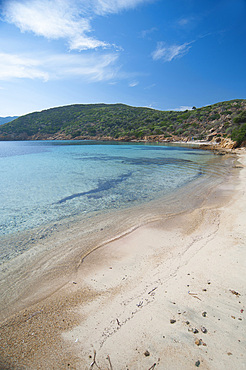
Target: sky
x=162, y=54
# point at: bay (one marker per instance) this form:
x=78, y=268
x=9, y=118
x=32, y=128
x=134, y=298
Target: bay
x=43, y=182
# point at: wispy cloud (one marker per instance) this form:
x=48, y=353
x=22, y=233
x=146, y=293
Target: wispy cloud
x=68, y=19
x=14, y=66
x=133, y=83
x=58, y=66
x=171, y=52
x=146, y=33
x=183, y=22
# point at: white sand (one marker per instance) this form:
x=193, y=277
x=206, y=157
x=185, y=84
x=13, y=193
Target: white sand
x=175, y=270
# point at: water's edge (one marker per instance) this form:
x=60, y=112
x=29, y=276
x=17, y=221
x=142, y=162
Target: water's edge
x=54, y=253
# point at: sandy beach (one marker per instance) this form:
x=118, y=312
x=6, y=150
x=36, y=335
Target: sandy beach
x=170, y=294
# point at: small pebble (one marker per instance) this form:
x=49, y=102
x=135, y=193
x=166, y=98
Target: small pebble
x=197, y=364
x=146, y=353
x=204, y=330
x=229, y=353
x=204, y=314
x=195, y=331
x=198, y=342
x=172, y=321
x=187, y=322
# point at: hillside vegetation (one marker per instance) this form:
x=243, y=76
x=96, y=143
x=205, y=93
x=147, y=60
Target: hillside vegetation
x=122, y=122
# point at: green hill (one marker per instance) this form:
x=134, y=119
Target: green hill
x=122, y=122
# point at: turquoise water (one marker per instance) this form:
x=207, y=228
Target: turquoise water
x=45, y=181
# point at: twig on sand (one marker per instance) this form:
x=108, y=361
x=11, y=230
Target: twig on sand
x=110, y=364
x=194, y=295
x=152, y=367
x=153, y=289
x=94, y=361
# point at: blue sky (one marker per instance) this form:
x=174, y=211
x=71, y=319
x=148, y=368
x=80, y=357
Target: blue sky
x=164, y=54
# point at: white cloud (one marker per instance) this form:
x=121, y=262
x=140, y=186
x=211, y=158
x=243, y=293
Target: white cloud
x=133, y=83
x=185, y=107
x=68, y=19
x=114, y=6
x=181, y=108
x=58, y=66
x=168, y=53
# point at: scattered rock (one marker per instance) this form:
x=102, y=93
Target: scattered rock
x=204, y=290
x=187, y=322
x=241, y=310
x=229, y=353
x=197, y=364
x=195, y=331
x=172, y=321
x=204, y=314
x=198, y=342
x=74, y=282
x=204, y=330
x=233, y=317
x=146, y=353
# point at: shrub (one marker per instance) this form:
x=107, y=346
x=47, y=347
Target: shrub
x=240, y=118
x=239, y=134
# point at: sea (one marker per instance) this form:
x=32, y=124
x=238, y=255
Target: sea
x=43, y=183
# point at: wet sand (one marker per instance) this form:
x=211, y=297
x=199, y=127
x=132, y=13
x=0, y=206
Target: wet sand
x=170, y=294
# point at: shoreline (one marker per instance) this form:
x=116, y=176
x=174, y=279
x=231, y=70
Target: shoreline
x=55, y=252
x=102, y=309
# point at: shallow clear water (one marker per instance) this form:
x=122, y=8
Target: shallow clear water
x=45, y=181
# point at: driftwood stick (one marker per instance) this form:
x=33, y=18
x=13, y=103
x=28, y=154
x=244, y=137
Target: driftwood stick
x=110, y=364
x=153, y=289
x=152, y=367
x=94, y=361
